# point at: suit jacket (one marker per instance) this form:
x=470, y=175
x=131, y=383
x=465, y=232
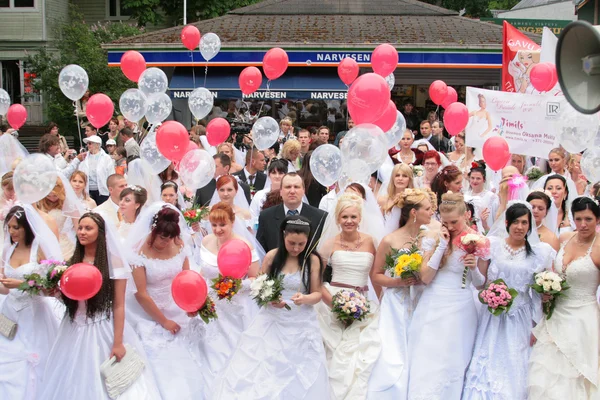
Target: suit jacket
x=108, y=211
x=269, y=224
x=259, y=180
x=205, y=194
x=442, y=144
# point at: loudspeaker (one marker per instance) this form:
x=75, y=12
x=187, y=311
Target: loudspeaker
x=578, y=65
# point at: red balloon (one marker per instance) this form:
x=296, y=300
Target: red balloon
x=368, y=98
x=275, y=62
x=438, y=90
x=250, y=80
x=234, y=259
x=384, y=59
x=348, y=70
x=99, y=110
x=191, y=146
x=554, y=79
x=451, y=97
x=189, y=290
x=496, y=152
x=456, y=118
x=172, y=140
x=190, y=37
x=543, y=76
x=81, y=281
x=217, y=131
x=388, y=119
x=16, y=115
x=133, y=64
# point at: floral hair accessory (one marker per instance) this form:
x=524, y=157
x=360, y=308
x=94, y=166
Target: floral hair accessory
x=135, y=188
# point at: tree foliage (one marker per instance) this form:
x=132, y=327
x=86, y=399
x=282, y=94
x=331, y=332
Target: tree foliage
x=473, y=8
x=79, y=44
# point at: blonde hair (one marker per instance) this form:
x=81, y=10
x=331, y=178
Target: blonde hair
x=346, y=201
x=559, y=151
x=83, y=176
x=399, y=168
x=227, y=144
x=287, y=120
x=288, y=147
x=59, y=191
x=7, y=181
x=452, y=202
x=571, y=161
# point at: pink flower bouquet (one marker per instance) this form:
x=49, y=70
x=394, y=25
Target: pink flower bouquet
x=498, y=297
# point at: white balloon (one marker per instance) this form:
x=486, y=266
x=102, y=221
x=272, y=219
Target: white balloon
x=576, y=131
x=153, y=80
x=393, y=136
x=365, y=142
x=590, y=164
x=34, y=178
x=4, y=102
x=201, y=102
x=149, y=153
x=354, y=171
x=73, y=81
x=197, y=169
x=210, y=45
x=390, y=80
x=326, y=164
x=159, y=107
x=133, y=104
x=265, y=133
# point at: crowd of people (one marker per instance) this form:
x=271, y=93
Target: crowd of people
x=427, y=336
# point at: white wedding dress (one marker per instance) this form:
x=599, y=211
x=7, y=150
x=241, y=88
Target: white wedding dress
x=351, y=352
x=442, y=333
x=498, y=369
x=391, y=221
x=23, y=359
x=564, y=360
x=280, y=356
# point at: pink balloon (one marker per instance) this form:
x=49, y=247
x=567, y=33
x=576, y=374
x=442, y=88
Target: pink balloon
x=16, y=115
x=250, y=80
x=554, y=78
x=451, y=97
x=456, y=118
x=543, y=76
x=348, y=70
x=275, y=62
x=234, y=259
x=190, y=37
x=191, y=146
x=388, y=118
x=81, y=281
x=99, y=110
x=133, y=64
x=384, y=59
x=217, y=131
x=172, y=140
x=438, y=90
x=189, y=290
x=368, y=98
x=496, y=152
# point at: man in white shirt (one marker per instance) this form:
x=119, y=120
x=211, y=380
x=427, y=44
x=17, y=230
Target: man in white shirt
x=110, y=208
x=98, y=166
x=50, y=146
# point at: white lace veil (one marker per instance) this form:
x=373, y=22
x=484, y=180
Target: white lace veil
x=239, y=200
x=118, y=264
x=499, y=227
x=139, y=173
x=73, y=208
x=10, y=151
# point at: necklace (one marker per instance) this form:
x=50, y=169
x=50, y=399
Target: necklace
x=512, y=253
x=88, y=260
x=579, y=242
x=347, y=246
x=540, y=225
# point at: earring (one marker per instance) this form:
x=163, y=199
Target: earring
x=415, y=221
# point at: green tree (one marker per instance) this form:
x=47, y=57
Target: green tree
x=79, y=44
x=473, y=8
x=503, y=4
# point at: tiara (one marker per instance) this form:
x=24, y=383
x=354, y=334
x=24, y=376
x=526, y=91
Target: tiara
x=451, y=202
x=297, y=222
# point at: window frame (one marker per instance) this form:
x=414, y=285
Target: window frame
x=118, y=17
x=11, y=7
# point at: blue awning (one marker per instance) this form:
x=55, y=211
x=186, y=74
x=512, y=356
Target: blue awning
x=296, y=83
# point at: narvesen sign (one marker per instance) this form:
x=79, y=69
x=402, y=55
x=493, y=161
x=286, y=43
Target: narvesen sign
x=272, y=95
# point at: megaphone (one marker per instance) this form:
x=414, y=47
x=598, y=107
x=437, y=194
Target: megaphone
x=578, y=66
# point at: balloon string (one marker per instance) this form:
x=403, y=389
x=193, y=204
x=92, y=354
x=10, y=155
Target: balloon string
x=193, y=69
x=78, y=126
x=263, y=103
x=205, y=73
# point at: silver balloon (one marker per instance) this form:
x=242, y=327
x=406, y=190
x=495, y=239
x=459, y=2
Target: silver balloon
x=326, y=164
x=354, y=171
x=390, y=80
x=590, y=164
x=149, y=153
x=73, y=81
x=159, y=107
x=265, y=133
x=197, y=169
x=576, y=131
x=4, y=102
x=34, y=178
x=365, y=142
x=133, y=104
x=393, y=136
x=210, y=45
x=153, y=80
x=201, y=102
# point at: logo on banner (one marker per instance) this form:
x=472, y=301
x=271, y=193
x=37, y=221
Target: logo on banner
x=552, y=109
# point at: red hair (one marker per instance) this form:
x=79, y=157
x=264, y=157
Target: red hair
x=225, y=179
x=221, y=213
x=432, y=154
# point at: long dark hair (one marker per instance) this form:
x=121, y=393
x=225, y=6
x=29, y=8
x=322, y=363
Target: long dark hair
x=561, y=178
x=448, y=174
x=305, y=172
x=302, y=227
x=171, y=184
x=101, y=303
x=517, y=211
x=18, y=213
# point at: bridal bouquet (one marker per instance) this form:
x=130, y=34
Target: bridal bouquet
x=265, y=291
x=349, y=306
x=548, y=282
x=208, y=310
x=475, y=244
x=418, y=170
x=47, y=277
x=533, y=174
x=498, y=297
x=195, y=214
x=226, y=287
x=404, y=263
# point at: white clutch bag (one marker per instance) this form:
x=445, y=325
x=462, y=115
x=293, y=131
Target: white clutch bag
x=8, y=328
x=118, y=376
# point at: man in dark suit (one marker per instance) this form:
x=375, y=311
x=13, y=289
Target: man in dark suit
x=222, y=166
x=253, y=173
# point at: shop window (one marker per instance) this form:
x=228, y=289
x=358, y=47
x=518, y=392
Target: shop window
x=116, y=10
x=17, y=4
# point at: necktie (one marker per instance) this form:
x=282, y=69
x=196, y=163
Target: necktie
x=251, y=179
x=292, y=212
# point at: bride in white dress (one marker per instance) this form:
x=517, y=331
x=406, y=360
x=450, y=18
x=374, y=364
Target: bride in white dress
x=281, y=356
x=443, y=327
x=389, y=379
x=400, y=179
x=351, y=351
x=132, y=201
x=564, y=360
x=23, y=359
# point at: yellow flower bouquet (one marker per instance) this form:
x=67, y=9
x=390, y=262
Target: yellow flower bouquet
x=404, y=263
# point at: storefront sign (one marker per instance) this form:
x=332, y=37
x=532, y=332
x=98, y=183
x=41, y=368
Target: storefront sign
x=532, y=25
x=267, y=95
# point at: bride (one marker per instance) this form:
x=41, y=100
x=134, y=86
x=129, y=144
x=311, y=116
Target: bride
x=351, y=351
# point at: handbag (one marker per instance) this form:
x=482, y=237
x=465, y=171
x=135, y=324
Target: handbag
x=8, y=328
x=118, y=376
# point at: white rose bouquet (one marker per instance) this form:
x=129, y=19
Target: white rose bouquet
x=265, y=291
x=473, y=243
x=551, y=283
